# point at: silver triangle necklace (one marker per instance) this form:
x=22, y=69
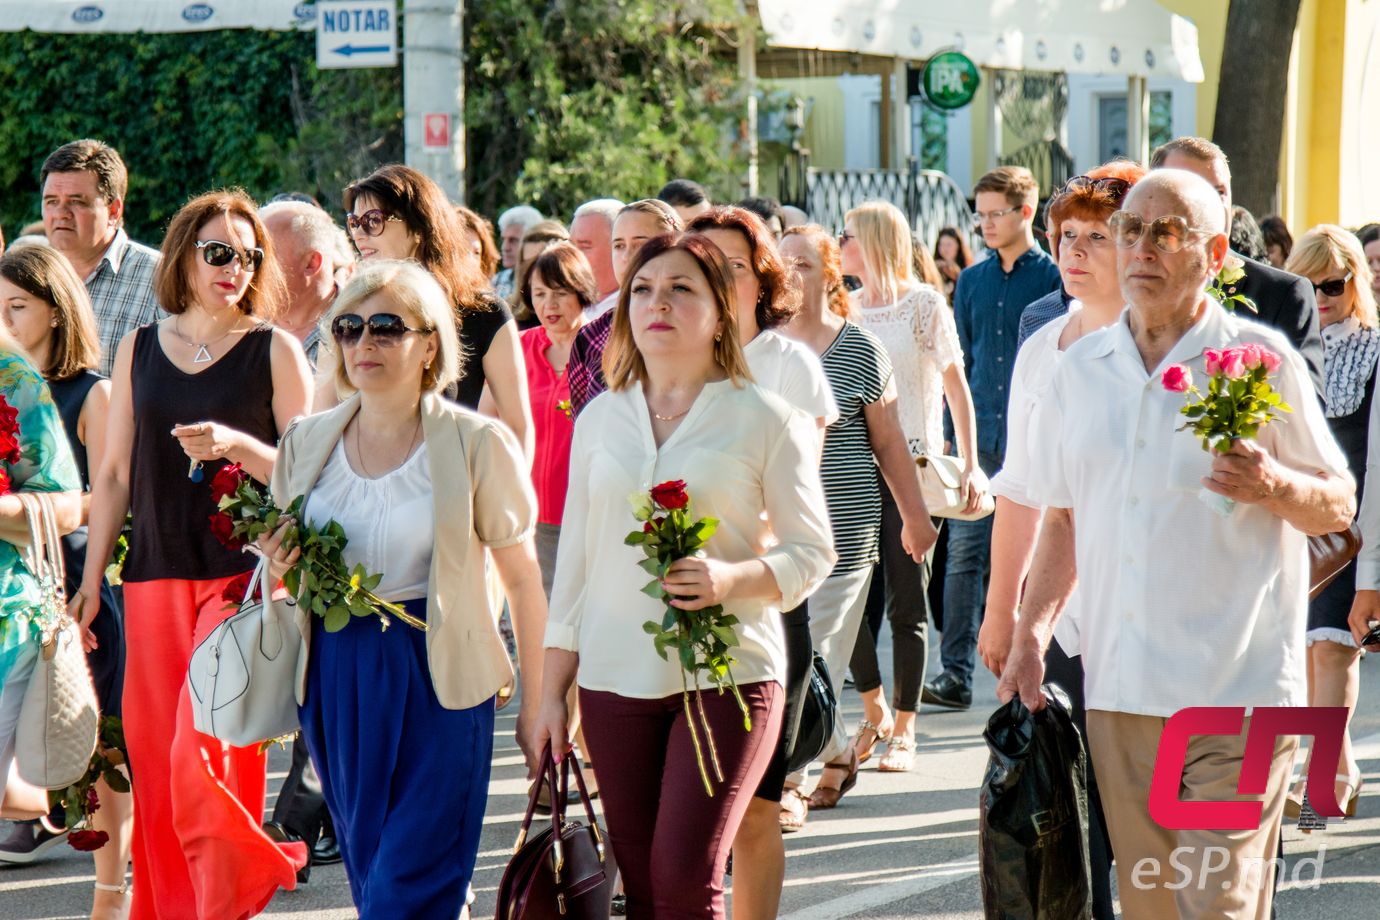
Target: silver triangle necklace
x=203, y=351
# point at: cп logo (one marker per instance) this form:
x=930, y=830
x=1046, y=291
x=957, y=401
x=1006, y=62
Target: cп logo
x=197, y=12
x=304, y=11
x=85, y=14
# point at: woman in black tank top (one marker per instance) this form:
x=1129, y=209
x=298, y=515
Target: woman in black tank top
x=212, y=384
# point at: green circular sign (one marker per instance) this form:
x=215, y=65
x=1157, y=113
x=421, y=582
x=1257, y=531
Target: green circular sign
x=950, y=80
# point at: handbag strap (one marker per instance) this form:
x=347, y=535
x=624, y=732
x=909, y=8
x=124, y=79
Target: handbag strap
x=52, y=545
x=33, y=553
x=532, y=798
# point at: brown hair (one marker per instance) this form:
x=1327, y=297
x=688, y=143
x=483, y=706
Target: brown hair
x=1015, y=182
x=1088, y=202
x=830, y=264
x=405, y=193
x=46, y=274
x=1199, y=148
x=172, y=278
x=965, y=252
x=482, y=230
x=777, y=299
x=925, y=267
x=623, y=364
x=563, y=267
x=89, y=155
x=543, y=231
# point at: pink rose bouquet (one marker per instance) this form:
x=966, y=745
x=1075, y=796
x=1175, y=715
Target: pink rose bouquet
x=1240, y=400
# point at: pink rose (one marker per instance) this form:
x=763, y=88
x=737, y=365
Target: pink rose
x=1250, y=355
x=1213, y=358
x=1270, y=360
x=1177, y=378
x=1233, y=365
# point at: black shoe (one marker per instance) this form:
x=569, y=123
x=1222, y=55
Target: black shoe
x=619, y=906
x=326, y=852
x=947, y=691
x=279, y=834
x=25, y=842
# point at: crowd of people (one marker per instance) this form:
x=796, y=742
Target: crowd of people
x=475, y=405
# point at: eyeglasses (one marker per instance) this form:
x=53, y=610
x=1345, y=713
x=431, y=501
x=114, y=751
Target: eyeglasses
x=371, y=221
x=218, y=253
x=983, y=217
x=1114, y=188
x=1169, y=234
x=387, y=329
x=1334, y=287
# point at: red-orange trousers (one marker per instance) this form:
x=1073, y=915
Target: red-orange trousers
x=199, y=852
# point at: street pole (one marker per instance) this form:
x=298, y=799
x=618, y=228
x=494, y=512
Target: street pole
x=434, y=85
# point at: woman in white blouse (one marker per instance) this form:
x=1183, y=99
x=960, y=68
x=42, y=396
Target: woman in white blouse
x=916, y=325
x=1081, y=242
x=425, y=491
x=681, y=405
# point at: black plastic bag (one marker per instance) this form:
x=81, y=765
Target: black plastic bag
x=1033, y=815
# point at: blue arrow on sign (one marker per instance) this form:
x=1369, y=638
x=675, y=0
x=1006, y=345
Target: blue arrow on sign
x=348, y=50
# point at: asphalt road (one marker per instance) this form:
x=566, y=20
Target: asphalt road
x=899, y=846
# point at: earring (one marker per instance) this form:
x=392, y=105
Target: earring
x=718, y=337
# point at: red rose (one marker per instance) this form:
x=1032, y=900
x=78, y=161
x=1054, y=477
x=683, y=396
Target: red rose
x=4, y=482
x=648, y=527
x=227, y=481
x=93, y=802
x=224, y=530
x=234, y=591
x=671, y=495
x=87, y=841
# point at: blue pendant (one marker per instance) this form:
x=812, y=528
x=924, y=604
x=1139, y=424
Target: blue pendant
x=195, y=474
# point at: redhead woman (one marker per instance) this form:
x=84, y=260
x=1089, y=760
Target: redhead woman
x=681, y=405
x=426, y=491
x=211, y=384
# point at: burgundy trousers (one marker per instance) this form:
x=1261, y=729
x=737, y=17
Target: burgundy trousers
x=670, y=838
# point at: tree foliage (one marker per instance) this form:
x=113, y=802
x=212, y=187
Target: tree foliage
x=564, y=101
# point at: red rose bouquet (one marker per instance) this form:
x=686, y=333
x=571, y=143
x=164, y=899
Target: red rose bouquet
x=701, y=638
x=319, y=580
x=1240, y=400
x=9, y=442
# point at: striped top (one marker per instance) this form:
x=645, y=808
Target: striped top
x=858, y=369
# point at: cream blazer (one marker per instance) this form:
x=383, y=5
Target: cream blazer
x=483, y=497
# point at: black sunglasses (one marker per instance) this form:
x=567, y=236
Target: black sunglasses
x=371, y=221
x=218, y=253
x=1335, y=287
x=1115, y=189
x=387, y=329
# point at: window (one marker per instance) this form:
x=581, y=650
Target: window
x=1112, y=125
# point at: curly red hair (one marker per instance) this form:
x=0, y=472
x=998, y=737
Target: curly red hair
x=830, y=264
x=1090, y=203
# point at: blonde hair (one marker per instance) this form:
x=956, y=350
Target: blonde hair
x=881, y=230
x=415, y=292
x=1328, y=247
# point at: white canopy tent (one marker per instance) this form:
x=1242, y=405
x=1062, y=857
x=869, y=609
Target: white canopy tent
x=93, y=16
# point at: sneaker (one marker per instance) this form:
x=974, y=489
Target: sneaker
x=25, y=842
x=947, y=691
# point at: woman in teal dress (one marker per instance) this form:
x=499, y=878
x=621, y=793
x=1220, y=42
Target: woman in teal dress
x=45, y=465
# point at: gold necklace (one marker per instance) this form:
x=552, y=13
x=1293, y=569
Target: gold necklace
x=671, y=418
x=412, y=445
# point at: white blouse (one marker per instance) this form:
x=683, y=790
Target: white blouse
x=922, y=340
x=792, y=371
x=747, y=457
x=389, y=522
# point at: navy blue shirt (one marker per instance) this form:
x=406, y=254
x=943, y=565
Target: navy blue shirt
x=987, y=310
x=1043, y=311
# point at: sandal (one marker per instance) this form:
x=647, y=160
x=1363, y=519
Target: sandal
x=1293, y=800
x=863, y=748
x=900, y=755
x=105, y=907
x=795, y=807
x=505, y=694
x=826, y=796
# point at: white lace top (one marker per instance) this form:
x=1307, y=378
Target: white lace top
x=922, y=341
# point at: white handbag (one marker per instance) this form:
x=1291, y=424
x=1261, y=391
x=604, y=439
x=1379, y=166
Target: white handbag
x=59, y=715
x=940, y=479
x=242, y=676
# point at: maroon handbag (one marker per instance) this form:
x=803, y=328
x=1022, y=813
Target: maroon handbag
x=566, y=871
x=1328, y=555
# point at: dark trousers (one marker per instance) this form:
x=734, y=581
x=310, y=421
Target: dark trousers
x=800, y=658
x=965, y=587
x=670, y=838
x=301, y=808
x=907, y=608
x=1067, y=674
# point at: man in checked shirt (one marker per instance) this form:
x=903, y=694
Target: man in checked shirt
x=83, y=186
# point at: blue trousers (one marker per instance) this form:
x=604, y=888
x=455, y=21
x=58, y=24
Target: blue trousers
x=405, y=779
x=965, y=587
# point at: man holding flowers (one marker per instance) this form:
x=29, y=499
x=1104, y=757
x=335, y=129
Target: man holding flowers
x=1184, y=607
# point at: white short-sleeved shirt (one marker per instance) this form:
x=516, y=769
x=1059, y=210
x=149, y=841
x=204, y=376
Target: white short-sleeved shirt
x=1180, y=606
x=792, y=371
x=1031, y=375
x=390, y=521
x=749, y=460
x=922, y=340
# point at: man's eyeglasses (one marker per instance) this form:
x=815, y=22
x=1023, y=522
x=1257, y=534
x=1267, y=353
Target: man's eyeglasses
x=1333, y=287
x=1169, y=234
x=371, y=221
x=387, y=329
x=1113, y=188
x=218, y=253
x=983, y=217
